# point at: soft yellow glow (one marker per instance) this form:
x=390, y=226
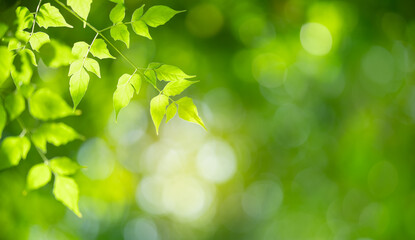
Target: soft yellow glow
x=316, y=39
x=216, y=161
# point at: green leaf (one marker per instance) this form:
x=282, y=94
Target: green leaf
x=75, y=66
x=99, y=49
x=30, y=55
x=12, y=150
x=117, y=14
x=64, y=166
x=78, y=85
x=39, y=175
x=140, y=28
x=137, y=14
x=120, y=32
x=66, y=191
x=23, y=73
x=3, y=29
x=93, y=66
x=54, y=133
x=15, y=105
x=80, y=49
x=188, y=111
x=38, y=39
x=6, y=63
x=176, y=87
x=171, y=73
x=171, y=112
x=24, y=18
x=47, y=105
x=81, y=7
x=158, y=15
x=14, y=44
x=56, y=54
x=22, y=35
x=157, y=109
x=125, y=91
x=3, y=117
x=49, y=16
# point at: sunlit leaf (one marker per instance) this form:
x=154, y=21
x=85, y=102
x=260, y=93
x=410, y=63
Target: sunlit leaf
x=120, y=32
x=140, y=28
x=171, y=111
x=66, y=191
x=47, y=105
x=117, y=14
x=64, y=166
x=158, y=108
x=158, y=15
x=81, y=7
x=80, y=49
x=93, y=66
x=125, y=91
x=78, y=85
x=171, y=73
x=22, y=73
x=15, y=105
x=12, y=150
x=38, y=39
x=188, y=111
x=24, y=18
x=56, y=54
x=176, y=87
x=39, y=175
x=54, y=133
x=49, y=16
x=99, y=49
x=6, y=61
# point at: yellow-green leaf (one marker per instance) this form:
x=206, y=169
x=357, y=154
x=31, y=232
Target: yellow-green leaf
x=15, y=105
x=93, y=66
x=140, y=28
x=99, y=49
x=117, y=14
x=78, y=85
x=39, y=175
x=157, y=109
x=47, y=105
x=81, y=7
x=125, y=91
x=64, y=166
x=158, y=15
x=3, y=117
x=38, y=39
x=12, y=150
x=120, y=32
x=176, y=87
x=80, y=49
x=6, y=62
x=49, y=16
x=188, y=111
x=66, y=191
x=171, y=73
x=54, y=133
x=24, y=18
x=171, y=112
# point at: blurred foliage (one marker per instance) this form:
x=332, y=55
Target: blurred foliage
x=310, y=111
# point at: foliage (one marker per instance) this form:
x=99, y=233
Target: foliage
x=19, y=62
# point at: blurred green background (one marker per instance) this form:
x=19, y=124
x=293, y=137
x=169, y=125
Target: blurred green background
x=310, y=110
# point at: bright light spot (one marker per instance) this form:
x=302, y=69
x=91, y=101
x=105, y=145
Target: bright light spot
x=185, y=197
x=131, y=124
x=316, y=39
x=96, y=155
x=149, y=194
x=378, y=65
x=216, y=161
x=141, y=228
x=262, y=199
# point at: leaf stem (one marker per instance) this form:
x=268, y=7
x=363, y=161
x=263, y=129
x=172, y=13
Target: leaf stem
x=99, y=32
x=33, y=25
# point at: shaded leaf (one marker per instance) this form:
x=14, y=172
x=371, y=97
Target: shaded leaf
x=24, y=18
x=54, y=133
x=3, y=117
x=47, y=105
x=15, y=105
